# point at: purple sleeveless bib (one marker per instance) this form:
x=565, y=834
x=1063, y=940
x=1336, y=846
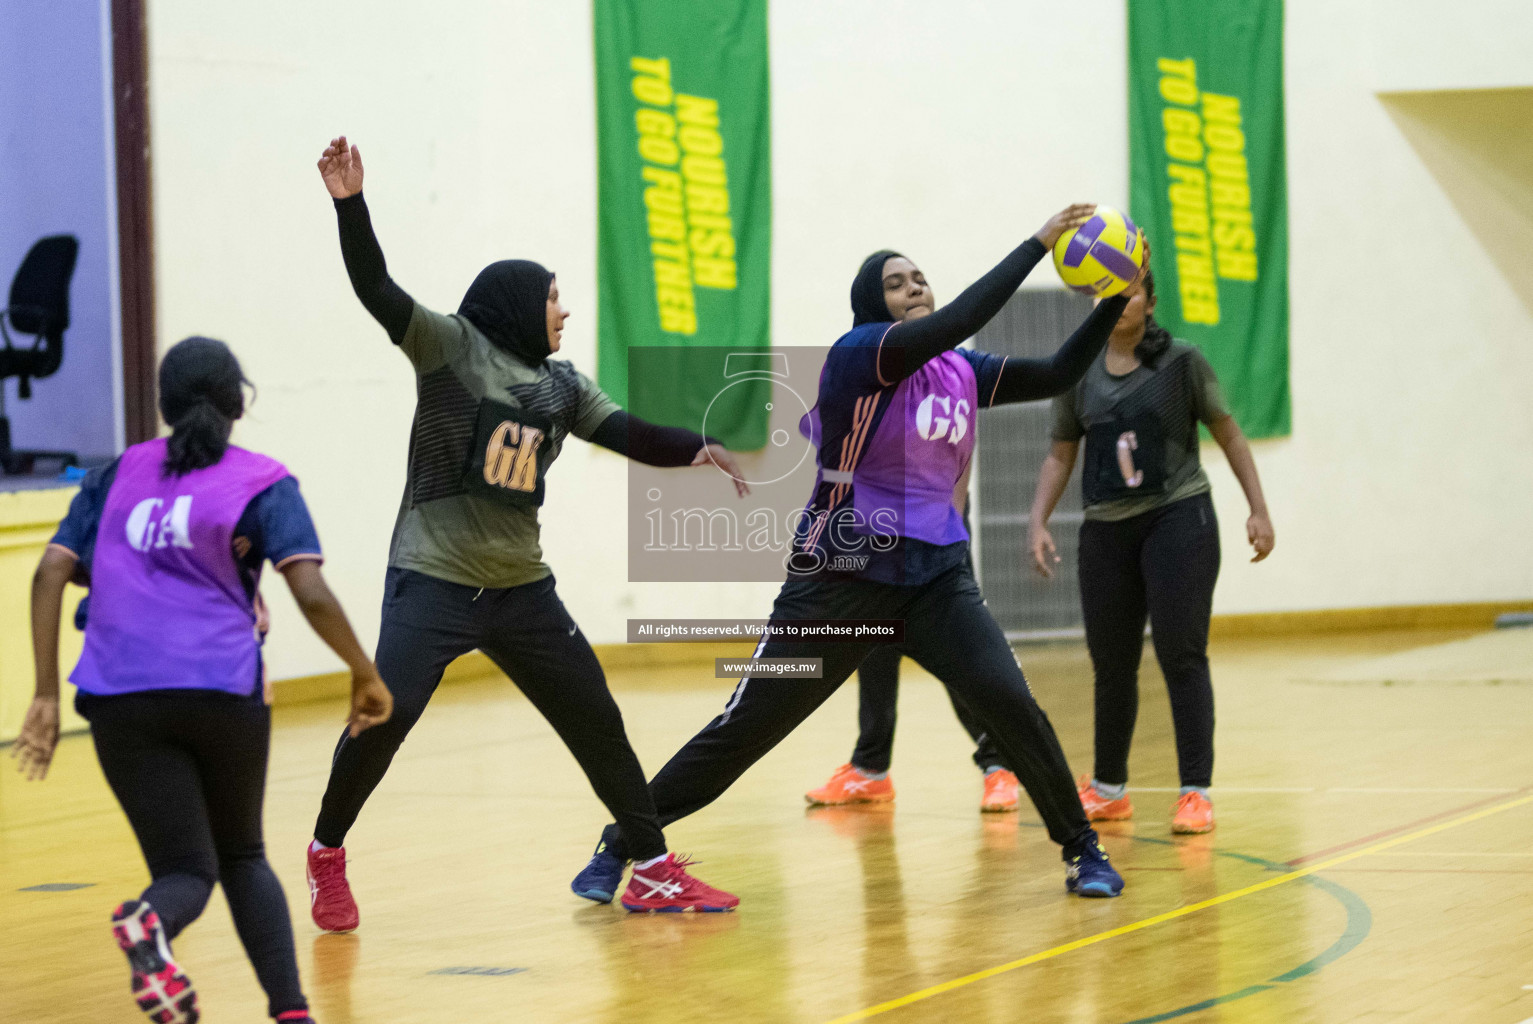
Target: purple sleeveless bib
x=907, y=481
x=168, y=607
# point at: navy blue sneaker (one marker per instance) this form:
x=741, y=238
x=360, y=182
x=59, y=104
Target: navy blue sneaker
x=1088, y=872
x=601, y=878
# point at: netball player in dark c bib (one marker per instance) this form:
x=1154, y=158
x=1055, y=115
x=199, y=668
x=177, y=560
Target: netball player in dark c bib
x=170, y=539
x=465, y=567
x=1149, y=545
x=884, y=539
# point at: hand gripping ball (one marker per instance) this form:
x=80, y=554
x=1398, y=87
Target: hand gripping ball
x=1102, y=256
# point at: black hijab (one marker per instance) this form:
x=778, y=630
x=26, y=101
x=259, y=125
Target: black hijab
x=508, y=301
x=868, y=305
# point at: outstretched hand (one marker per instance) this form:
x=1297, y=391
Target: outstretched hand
x=724, y=459
x=341, y=167
x=1072, y=216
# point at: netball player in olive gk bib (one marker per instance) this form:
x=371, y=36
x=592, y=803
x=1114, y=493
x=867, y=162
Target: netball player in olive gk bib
x=1149, y=546
x=465, y=568
x=170, y=538
x=883, y=538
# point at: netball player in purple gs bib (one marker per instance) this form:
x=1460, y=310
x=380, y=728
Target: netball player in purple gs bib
x=170, y=539
x=883, y=538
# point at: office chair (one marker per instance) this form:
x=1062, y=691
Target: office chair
x=39, y=306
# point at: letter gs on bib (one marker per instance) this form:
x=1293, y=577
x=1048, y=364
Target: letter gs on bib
x=937, y=418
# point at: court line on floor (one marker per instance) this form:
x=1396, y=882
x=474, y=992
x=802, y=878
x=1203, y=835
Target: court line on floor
x=1359, y=924
x=1397, y=829
x=1437, y=871
x=1423, y=789
x=1228, y=789
x=1172, y=915
x=1500, y=790
x=1498, y=854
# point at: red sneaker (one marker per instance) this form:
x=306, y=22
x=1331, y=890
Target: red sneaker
x=161, y=988
x=330, y=900
x=666, y=887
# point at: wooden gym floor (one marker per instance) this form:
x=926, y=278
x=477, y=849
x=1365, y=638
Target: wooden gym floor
x=1373, y=862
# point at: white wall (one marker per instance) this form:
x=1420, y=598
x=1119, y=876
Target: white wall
x=949, y=132
x=1409, y=475
x=1482, y=44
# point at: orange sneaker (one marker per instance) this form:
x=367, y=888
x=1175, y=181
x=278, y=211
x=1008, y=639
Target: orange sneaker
x=1000, y=791
x=849, y=785
x=1099, y=808
x=1194, y=813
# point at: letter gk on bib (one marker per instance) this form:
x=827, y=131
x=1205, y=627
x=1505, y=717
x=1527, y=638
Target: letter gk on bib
x=509, y=455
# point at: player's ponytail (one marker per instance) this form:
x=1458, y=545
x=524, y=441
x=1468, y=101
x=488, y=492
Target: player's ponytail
x=1156, y=338
x=201, y=395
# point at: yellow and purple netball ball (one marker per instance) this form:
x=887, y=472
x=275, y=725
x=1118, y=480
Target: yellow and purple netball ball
x=1102, y=256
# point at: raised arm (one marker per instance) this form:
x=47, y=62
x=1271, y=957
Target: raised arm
x=912, y=343
x=341, y=167
x=1026, y=380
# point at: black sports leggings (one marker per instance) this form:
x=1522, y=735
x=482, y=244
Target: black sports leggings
x=949, y=632
x=189, y=769
x=1161, y=564
x=427, y=622
x=878, y=691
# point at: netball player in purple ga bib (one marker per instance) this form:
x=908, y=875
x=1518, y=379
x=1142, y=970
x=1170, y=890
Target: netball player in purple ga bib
x=170, y=539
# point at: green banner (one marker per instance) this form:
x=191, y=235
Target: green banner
x=1208, y=185
x=684, y=210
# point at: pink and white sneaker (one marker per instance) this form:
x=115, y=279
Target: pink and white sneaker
x=667, y=888
x=330, y=901
x=162, y=989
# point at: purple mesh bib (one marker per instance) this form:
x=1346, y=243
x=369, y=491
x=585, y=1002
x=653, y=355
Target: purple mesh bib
x=907, y=480
x=168, y=607
x=919, y=452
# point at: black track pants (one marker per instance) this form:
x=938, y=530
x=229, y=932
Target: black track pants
x=878, y=691
x=1161, y=564
x=948, y=631
x=427, y=622
x=189, y=769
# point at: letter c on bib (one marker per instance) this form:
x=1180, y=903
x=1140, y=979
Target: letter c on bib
x=1128, y=443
